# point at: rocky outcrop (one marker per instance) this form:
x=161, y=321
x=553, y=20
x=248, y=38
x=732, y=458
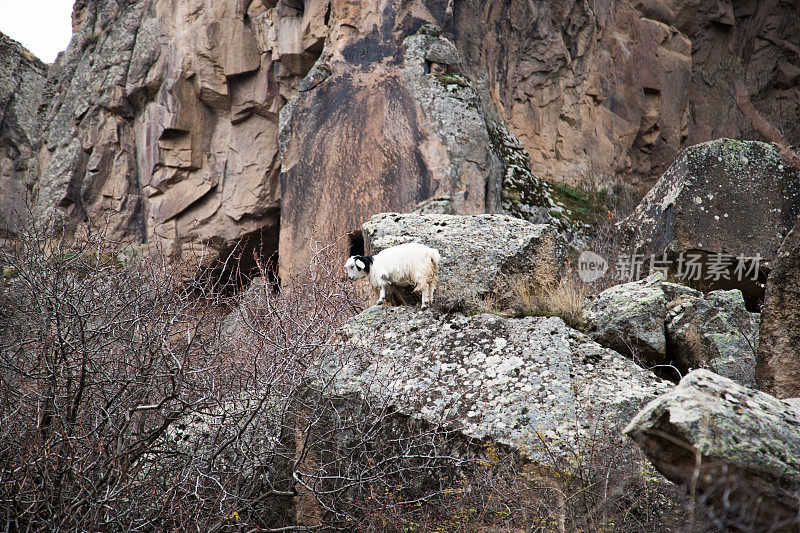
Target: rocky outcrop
x=629, y=318
x=661, y=323
x=721, y=201
x=394, y=117
x=750, y=44
x=163, y=127
x=737, y=447
x=603, y=87
x=714, y=331
x=778, y=368
x=22, y=78
x=479, y=253
x=532, y=383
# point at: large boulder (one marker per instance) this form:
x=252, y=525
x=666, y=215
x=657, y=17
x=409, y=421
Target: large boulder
x=737, y=447
x=720, y=200
x=662, y=323
x=629, y=318
x=714, y=331
x=479, y=253
x=531, y=383
x=778, y=367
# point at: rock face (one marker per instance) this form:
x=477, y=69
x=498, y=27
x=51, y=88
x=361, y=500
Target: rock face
x=740, y=447
x=778, y=368
x=479, y=253
x=22, y=79
x=725, y=199
x=753, y=43
x=603, y=88
x=520, y=382
x=395, y=118
x=200, y=127
x=660, y=323
x=714, y=331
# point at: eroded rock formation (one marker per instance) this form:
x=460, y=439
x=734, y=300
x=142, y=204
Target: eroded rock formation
x=726, y=206
x=22, y=78
x=531, y=383
x=167, y=122
x=779, y=353
x=480, y=254
x=737, y=447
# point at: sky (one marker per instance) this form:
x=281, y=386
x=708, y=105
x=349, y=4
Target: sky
x=42, y=26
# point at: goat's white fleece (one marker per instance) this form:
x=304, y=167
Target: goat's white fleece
x=406, y=264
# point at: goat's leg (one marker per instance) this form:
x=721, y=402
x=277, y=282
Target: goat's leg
x=382, y=297
x=425, y=293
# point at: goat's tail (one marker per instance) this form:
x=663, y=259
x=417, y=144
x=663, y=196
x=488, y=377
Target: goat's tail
x=435, y=258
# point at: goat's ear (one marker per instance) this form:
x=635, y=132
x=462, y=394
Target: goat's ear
x=360, y=264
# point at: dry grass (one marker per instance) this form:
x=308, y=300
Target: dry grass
x=565, y=300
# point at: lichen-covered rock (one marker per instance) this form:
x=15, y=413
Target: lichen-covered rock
x=778, y=360
x=714, y=331
x=531, y=383
x=22, y=79
x=737, y=446
x=479, y=253
x=737, y=198
x=629, y=318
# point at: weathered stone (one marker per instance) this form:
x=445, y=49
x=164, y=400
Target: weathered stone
x=629, y=318
x=479, y=253
x=599, y=89
x=734, y=42
x=532, y=383
x=22, y=79
x=381, y=133
x=721, y=197
x=778, y=365
x=738, y=447
x=714, y=331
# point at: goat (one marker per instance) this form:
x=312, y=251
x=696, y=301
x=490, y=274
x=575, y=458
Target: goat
x=411, y=264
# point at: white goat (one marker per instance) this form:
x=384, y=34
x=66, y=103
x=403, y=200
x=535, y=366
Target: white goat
x=411, y=264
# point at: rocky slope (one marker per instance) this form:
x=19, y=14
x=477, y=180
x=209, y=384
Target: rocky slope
x=249, y=123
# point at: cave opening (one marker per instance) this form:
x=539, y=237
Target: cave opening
x=253, y=256
x=356, y=242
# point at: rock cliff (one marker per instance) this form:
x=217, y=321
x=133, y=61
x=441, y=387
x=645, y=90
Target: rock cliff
x=22, y=78
x=253, y=126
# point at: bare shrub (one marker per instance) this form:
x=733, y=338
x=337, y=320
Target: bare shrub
x=130, y=400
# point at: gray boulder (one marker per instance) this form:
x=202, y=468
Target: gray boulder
x=629, y=318
x=532, y=383
x=658, y=322
x=479, y=253
x=740, y=448
x=720, y=197
x=714, y=331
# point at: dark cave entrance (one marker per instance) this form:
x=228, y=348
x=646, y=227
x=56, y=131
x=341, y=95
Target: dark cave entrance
x=355, y=241
x=254, y=255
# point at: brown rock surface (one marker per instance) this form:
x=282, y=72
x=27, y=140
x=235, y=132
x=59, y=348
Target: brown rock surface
x=599, y=89
x=778, y=357
x=390, y=104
